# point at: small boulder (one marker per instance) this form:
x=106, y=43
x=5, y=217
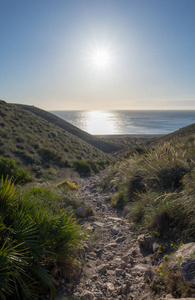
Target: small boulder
x=119, y=272
x=81, y=212
x=123, y=288
x=182, y=254
x=138, y=269
x=146, y=241
x=115, y=230
x=188, y=273
x=87, y=295
x=102, y=268
x=155, y=247
x=110, y=286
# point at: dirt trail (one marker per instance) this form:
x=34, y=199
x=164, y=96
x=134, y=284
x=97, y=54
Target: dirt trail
x=114, y=266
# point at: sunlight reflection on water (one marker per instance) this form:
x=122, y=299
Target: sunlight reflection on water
x=99, y=122
x=106, y=122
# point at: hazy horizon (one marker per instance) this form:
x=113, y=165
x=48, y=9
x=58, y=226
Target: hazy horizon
x=98, y=54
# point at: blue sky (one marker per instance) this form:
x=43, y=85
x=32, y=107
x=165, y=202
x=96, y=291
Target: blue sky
x=47, y=45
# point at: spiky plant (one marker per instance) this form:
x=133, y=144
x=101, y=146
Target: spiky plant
x=33, y=239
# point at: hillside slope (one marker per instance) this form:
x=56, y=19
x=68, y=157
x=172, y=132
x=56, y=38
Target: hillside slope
x=90, y=139
x=181, y=133
x=32, y=141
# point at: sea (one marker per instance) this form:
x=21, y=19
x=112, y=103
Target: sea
x=120, y=122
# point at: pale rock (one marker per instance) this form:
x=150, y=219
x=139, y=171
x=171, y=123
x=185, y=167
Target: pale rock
x=125, y=258
x=87, y=295
x=119, y=272
x=99, y=295
x=92, y=255
x=118, y=259
x=170, y=297
x=81, y=284
x=90, y=229
x=113, y=245
x=184, y=252
x=114, y=219
x=111, y=272
x=115, y=230
x=145, y=241
x=102, y=268
x=155, y=247
x=123, y=288
x=116, y=262
x=120, y=239
x=139, y=269
x=98, y=224
x=110, y=286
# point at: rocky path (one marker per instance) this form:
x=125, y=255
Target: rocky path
x=114, y=267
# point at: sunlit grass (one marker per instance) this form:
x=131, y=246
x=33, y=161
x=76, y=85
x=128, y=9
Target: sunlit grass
x=157, y=185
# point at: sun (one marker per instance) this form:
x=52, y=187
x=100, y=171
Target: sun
x=101, y=58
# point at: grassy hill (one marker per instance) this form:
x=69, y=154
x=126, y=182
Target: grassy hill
x=90, y=139
x=37, y=143
x=181, y=133
x=157, y=184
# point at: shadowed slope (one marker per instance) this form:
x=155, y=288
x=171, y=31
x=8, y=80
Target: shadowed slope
x=182, y=132
x=90, y=139
x=35, y=142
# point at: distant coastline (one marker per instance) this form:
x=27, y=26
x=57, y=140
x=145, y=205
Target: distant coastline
x=149, y=136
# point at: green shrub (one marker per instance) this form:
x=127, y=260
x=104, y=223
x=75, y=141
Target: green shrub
x=10, y=168
x=93, y=166
x=135, y=185
x=118, y=200
x=136, y=150
x=158, y=186
x=34, y=239
x=170, y=177
x=52, y=156
x=102, y=164
x=83, y=168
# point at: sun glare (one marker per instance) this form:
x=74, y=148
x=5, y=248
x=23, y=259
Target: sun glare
x=101, y=58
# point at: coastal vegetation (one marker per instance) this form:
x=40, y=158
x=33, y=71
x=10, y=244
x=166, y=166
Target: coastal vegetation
x=40, y=146
x=8, y=167
x=150, y=181
x=155, y=185
x=37, y=236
